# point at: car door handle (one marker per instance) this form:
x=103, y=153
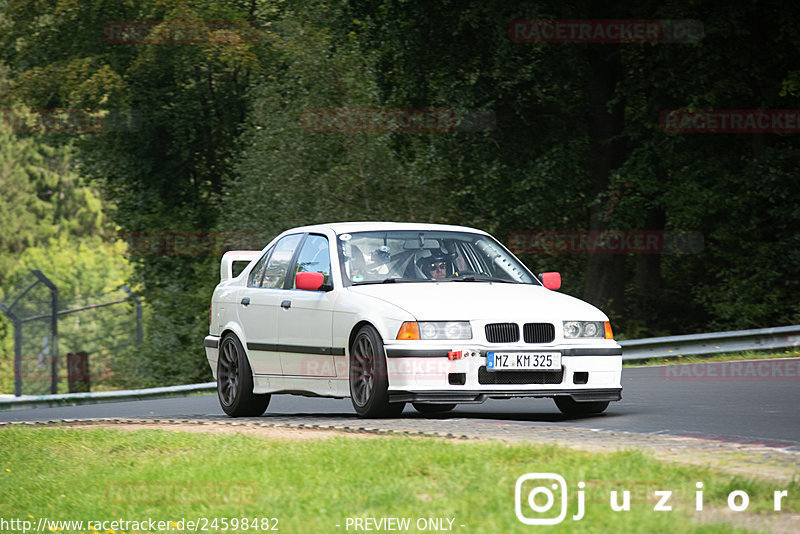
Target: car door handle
x=286, y=304
x=245, y=301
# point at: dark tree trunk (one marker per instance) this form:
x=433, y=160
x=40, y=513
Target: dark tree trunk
x=605, y=273
x=648, y=266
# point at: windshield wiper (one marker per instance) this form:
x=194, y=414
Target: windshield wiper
x=385, y=281
x=473, y=279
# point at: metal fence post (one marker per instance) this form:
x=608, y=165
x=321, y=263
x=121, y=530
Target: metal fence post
x=138, y=302
x=26, y=303
x=17, y=357
x=53, y=329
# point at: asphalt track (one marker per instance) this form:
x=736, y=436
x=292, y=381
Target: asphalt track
x=742, y=402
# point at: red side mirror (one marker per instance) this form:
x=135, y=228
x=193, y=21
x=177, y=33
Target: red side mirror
x=551, y=280
x=309, y=281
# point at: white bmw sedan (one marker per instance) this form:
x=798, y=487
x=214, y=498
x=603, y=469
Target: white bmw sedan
x=390, y=313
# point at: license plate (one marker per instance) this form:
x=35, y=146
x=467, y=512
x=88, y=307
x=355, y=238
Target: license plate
x=523, y=361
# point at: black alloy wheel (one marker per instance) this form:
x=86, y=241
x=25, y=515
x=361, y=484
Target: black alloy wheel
x=369, y=380
x=235, y=381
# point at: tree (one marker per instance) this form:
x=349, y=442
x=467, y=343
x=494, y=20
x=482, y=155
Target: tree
x=578, y=144
x=164, y=169
x=41, y=197
x=316, y=147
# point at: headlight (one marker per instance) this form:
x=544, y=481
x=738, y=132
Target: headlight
x=584, y=329
x=435, y=330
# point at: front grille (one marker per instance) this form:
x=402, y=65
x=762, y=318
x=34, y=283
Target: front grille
x=538, y=332
x=502, y=332
x=519, y=377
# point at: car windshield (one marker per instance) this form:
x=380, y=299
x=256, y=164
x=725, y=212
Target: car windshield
x=416, y=256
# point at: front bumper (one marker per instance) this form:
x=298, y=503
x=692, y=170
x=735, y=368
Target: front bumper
x=477, y=397
x=428, y=375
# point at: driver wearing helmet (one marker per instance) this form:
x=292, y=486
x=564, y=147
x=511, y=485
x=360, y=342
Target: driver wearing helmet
x=436, y=266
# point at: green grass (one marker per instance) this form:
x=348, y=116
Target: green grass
x=720, y=357
x=312, y=486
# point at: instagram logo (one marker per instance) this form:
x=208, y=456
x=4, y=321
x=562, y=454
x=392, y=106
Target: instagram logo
x=540, y=498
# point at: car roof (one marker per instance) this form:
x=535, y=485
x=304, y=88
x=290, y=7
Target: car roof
x=377, y=226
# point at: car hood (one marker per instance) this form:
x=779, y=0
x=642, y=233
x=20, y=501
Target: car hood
x=439, y=301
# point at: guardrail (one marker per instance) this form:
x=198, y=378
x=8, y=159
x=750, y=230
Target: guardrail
x=708, y=343
x=632, y=349
x=9, y=402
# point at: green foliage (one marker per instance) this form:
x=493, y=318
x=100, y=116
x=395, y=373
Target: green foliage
x=41, y=197
x=52, y=221
x=88, y=266
x=549, y=165
x=288, y=174
x=83, y=270
x=164, y=169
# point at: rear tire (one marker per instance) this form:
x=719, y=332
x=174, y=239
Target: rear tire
x=422, y=407
x=573, y=408
x=235, y=381
x=369, y=381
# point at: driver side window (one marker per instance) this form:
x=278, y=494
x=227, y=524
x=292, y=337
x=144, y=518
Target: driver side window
x=314, y=257
x=278, y=262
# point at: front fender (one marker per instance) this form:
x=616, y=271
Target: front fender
x=353, y=309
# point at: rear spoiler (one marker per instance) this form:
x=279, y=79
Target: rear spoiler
x=226, y=265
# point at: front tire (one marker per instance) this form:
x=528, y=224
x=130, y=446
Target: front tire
x=572, y=408
x=369, y=380
x=235, y=381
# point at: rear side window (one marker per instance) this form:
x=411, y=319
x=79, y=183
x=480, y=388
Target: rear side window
x=315, y=257
x=257, y=274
